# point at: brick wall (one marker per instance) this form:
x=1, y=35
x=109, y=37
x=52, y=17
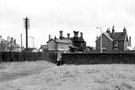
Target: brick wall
x=98, y=58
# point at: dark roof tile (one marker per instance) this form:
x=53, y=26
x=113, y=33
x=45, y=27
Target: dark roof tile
x=118, y=36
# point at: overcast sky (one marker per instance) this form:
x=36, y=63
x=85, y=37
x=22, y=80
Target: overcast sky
x=51, y=16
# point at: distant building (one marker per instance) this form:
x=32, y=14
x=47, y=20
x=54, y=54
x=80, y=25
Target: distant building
x=59, y=45
x=30, y=50
x=113, y=41
x=12, y=46
x=43, y=48
x=9, y=45
x=3, y=44
x=89, y=49
x=67, y=44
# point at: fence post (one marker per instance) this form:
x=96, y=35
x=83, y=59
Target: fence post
x=0, y=57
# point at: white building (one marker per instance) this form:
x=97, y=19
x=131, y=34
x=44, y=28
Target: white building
x=59, y=45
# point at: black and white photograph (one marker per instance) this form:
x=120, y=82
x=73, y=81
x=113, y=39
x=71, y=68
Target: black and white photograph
x=67, y=45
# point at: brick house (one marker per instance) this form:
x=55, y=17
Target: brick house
x=43, y=48
x=68, y=44
x=58, y=45
x=113, y=41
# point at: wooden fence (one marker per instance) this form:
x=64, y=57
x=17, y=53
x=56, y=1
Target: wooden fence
x=27, y=56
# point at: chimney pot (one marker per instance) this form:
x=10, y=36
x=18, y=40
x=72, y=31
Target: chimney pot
x=55, y=37
x=113, y=30
x=49, y=37
x=68, y=35
x=129, y=41
x=124, y=30
x=108, y=30
x=81, y=34
x=11, y=39
x=15, y=41
x=76, y=34
x=61, y=35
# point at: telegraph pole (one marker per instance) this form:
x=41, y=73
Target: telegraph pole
x=26, y=23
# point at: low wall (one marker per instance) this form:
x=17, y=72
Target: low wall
x=98, y=58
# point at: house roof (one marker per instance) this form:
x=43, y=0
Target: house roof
x=115, y=36
x=4, y=41
x=50, y=40
x=63, y=41
x=118, y=36
x=44, y=46
x=107, y=35
x=68, y=41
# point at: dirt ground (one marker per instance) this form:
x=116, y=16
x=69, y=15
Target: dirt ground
x=42, y=75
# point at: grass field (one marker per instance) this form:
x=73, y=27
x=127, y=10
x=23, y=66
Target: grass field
x=42, y=75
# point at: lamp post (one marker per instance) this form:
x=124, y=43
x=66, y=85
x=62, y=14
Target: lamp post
x=100, y=39
x=33, y=40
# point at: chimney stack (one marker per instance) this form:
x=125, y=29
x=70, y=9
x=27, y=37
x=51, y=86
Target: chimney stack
x=108, y=30
x=11, y=44
x=49, y=37
x=124, y=30
x=97, y=37
x=68, y=35
x=113, y=32
x=55, y=37
x=81, y=34
x=8, y=39
x=129, y=42
x=11, y=39
x=61, y=35
x=15, y=41
x=76, y=34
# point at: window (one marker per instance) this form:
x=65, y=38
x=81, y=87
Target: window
x=115, y=45
x=51, y=46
